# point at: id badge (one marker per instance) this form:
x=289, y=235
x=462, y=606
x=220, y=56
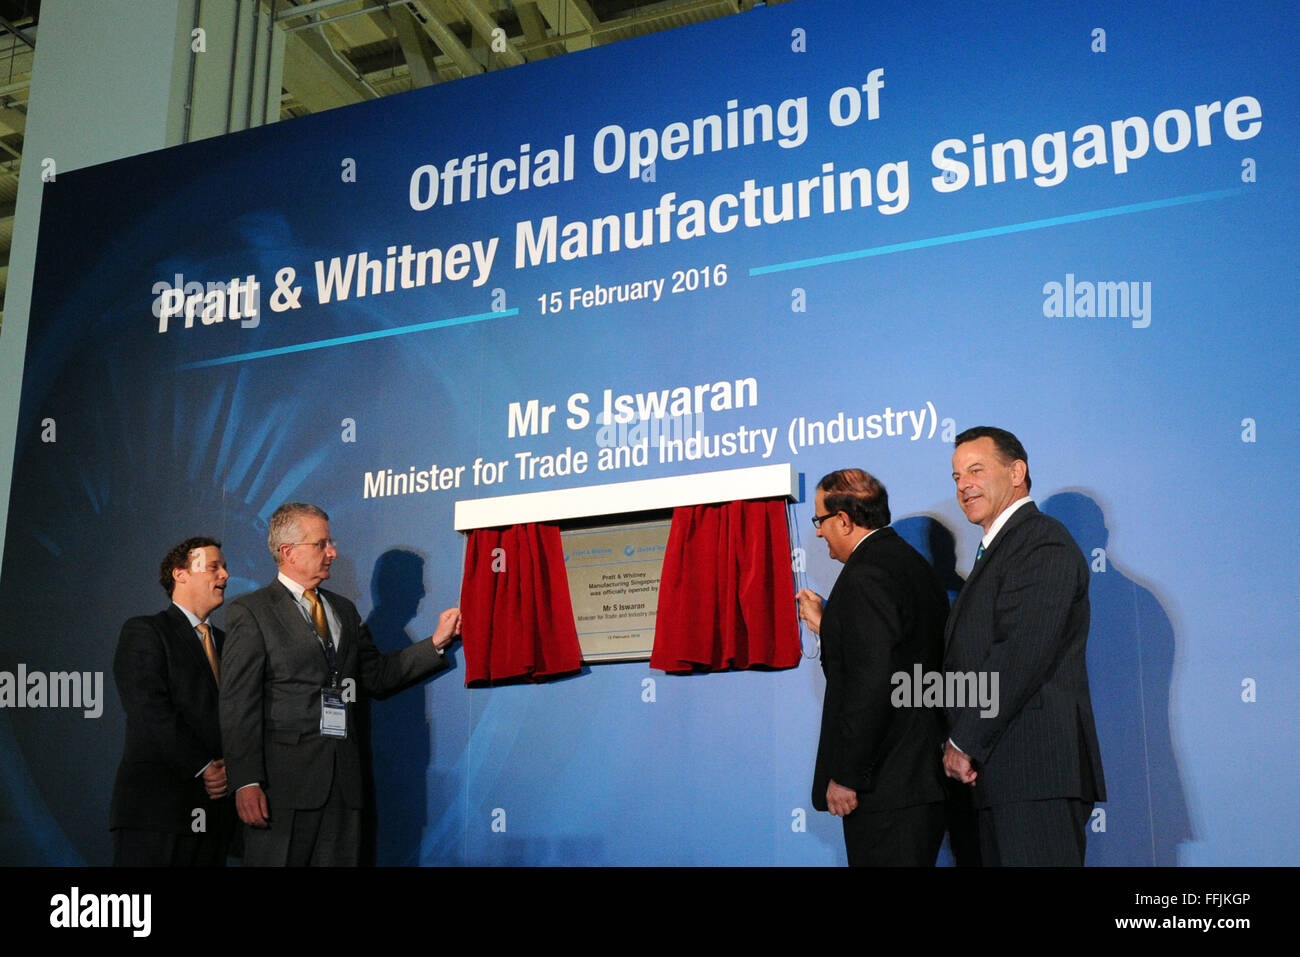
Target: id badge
x=333, y=714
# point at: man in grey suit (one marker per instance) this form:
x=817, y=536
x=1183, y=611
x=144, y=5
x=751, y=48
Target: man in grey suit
x=1034, y=763
x=295, y=661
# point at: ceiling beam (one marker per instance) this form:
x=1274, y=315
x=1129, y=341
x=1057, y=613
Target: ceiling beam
x=446, y=41
x=538, y=42
x=572, y=20
x=11, y=121
x=317, y=75
x=481, y=21
x=418, y=50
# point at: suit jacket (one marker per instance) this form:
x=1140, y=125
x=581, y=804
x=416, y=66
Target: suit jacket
x=172, y=730
x=272, y=670
x=1023, y=613
x=884, y=615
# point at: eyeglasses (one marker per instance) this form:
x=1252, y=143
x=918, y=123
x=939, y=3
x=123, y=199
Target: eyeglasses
x=320, y=546
x=818, y=519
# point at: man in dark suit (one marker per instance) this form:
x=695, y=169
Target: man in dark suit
x=296, y=659
x=877, y=766
x=168, y=807
x=1022, y=615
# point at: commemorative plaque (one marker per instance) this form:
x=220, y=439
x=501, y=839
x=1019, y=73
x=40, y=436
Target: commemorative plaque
x=614, y=573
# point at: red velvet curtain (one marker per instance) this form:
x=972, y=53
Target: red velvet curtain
x=726, y=599
x=517, y=620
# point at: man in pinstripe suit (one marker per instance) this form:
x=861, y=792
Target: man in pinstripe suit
x=1034, y=764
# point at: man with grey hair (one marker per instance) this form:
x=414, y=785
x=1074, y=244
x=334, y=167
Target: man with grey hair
x=295, y=661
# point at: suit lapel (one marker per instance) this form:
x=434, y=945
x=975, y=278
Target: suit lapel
x=286, y=608
x=191, y=647
x=347, y=640
x=298, y=628
x=979, y=566
x=1022, y=513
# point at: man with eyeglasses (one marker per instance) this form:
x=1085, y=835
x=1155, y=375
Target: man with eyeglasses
x=295, y=661
x=877, y=768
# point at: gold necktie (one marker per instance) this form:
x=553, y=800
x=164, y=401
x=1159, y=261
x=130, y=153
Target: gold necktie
x=317, y=614
x=209, y=649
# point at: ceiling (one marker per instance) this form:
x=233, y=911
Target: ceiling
x=343, y=51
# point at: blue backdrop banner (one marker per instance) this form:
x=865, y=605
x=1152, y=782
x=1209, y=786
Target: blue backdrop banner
x=830, y=234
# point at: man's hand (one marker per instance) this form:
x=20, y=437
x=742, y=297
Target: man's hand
x=840, y=801
x=448, y=629
x=810, y=609
x=250, y=802
x=957, y=765
x=214, y=779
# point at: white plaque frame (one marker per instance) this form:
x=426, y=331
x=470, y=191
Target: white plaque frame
x=619, y=498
